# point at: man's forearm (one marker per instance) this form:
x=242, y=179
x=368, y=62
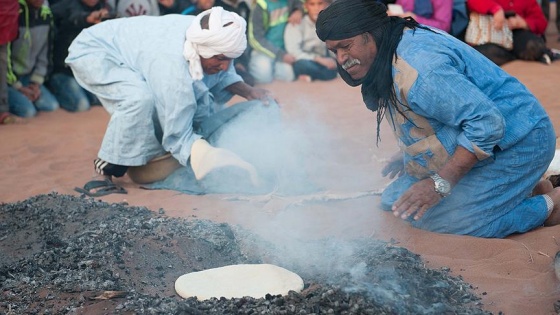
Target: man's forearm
x=240, y=88
x=460, y=164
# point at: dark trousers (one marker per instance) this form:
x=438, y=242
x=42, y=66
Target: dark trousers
x=526, y=46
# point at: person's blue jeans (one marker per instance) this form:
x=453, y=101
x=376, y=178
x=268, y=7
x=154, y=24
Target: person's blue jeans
x=313, y=69
x=21, y=106
x=71, y=96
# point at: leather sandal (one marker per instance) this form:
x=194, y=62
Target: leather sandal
x=98, y=188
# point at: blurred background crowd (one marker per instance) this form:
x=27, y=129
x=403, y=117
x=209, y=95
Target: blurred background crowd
x=35, y=36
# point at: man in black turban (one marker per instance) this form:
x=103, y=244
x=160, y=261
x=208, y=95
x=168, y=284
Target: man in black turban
x=474, y=141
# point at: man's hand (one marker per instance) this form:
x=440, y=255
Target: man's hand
x=31, y=91
x=251, y=93
x=422, y=195
x=416, y=200
x=36, y=89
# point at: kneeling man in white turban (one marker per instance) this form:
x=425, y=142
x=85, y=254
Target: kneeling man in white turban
x=160, y=79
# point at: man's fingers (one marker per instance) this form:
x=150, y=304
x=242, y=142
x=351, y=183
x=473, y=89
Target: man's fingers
x=411, y=209
x=420, y=213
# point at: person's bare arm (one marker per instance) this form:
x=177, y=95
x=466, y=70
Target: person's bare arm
x=250, y=93
x=422, y=195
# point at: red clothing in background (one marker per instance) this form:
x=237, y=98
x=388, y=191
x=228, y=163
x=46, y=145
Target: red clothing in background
x=9, y=13
x=529, y=10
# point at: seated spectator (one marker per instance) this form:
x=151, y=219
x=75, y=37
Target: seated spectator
x=71, y=17
x=267, y=21
x=526, y=21
x=313, y=61
x=29, y=61
x=434, y=13
x=545, y=5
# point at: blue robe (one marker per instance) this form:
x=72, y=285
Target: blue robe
x=458, y=97
x=137, y=69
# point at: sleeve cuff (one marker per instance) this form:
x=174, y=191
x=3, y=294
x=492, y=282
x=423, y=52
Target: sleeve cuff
x=473, y=148
x=39, y=79
x=17, y=85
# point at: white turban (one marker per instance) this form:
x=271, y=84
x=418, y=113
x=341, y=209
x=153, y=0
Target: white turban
x=225, y=35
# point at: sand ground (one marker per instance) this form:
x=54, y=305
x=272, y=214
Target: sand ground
x=54, y=152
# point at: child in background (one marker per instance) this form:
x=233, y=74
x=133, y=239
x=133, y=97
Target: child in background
x=313, y=61
x=267, y=21
x=29, y=61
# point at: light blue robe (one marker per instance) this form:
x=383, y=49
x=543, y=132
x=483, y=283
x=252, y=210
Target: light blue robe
x=465, y=100
x=136, y=67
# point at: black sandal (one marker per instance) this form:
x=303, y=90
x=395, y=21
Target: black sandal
x=101, y=187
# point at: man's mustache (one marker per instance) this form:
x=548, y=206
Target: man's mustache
x=350, y=63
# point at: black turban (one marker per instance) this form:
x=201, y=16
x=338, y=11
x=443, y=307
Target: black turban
x=345, y=19
x=348, y=18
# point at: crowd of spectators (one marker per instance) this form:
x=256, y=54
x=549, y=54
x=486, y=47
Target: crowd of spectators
x=35, y=36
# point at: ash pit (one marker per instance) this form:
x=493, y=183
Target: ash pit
x=64, y=254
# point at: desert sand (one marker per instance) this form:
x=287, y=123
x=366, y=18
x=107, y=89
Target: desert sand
x=54, y=152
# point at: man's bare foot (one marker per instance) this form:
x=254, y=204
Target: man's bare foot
x=554, y=217
x=544, y=186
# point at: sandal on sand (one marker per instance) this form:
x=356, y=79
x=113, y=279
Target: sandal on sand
x=97, y=188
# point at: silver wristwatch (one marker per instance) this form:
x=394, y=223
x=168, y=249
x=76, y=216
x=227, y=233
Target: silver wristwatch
x=441, y=186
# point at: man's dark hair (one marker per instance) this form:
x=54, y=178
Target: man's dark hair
x=348, y=18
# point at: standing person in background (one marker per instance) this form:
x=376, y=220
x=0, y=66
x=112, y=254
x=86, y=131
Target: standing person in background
x=313, y=61
x=70, y=18
x=29, y=62
x=8, y=32
x=527, y=22
x=545, y=5
x=267, y=21
x=434, y=13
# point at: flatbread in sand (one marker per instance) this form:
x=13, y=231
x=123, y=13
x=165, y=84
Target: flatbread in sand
x=237, y=281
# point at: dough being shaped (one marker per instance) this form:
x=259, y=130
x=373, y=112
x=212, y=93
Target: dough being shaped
x=237, y=281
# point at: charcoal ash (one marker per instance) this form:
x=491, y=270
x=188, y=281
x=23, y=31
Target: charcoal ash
x=65, y=252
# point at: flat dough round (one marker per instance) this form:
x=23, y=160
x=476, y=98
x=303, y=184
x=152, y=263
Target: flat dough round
x=237, y=281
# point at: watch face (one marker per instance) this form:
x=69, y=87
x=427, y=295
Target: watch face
x=443, y=186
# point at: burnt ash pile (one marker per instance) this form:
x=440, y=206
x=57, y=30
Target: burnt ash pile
x=64, y=254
